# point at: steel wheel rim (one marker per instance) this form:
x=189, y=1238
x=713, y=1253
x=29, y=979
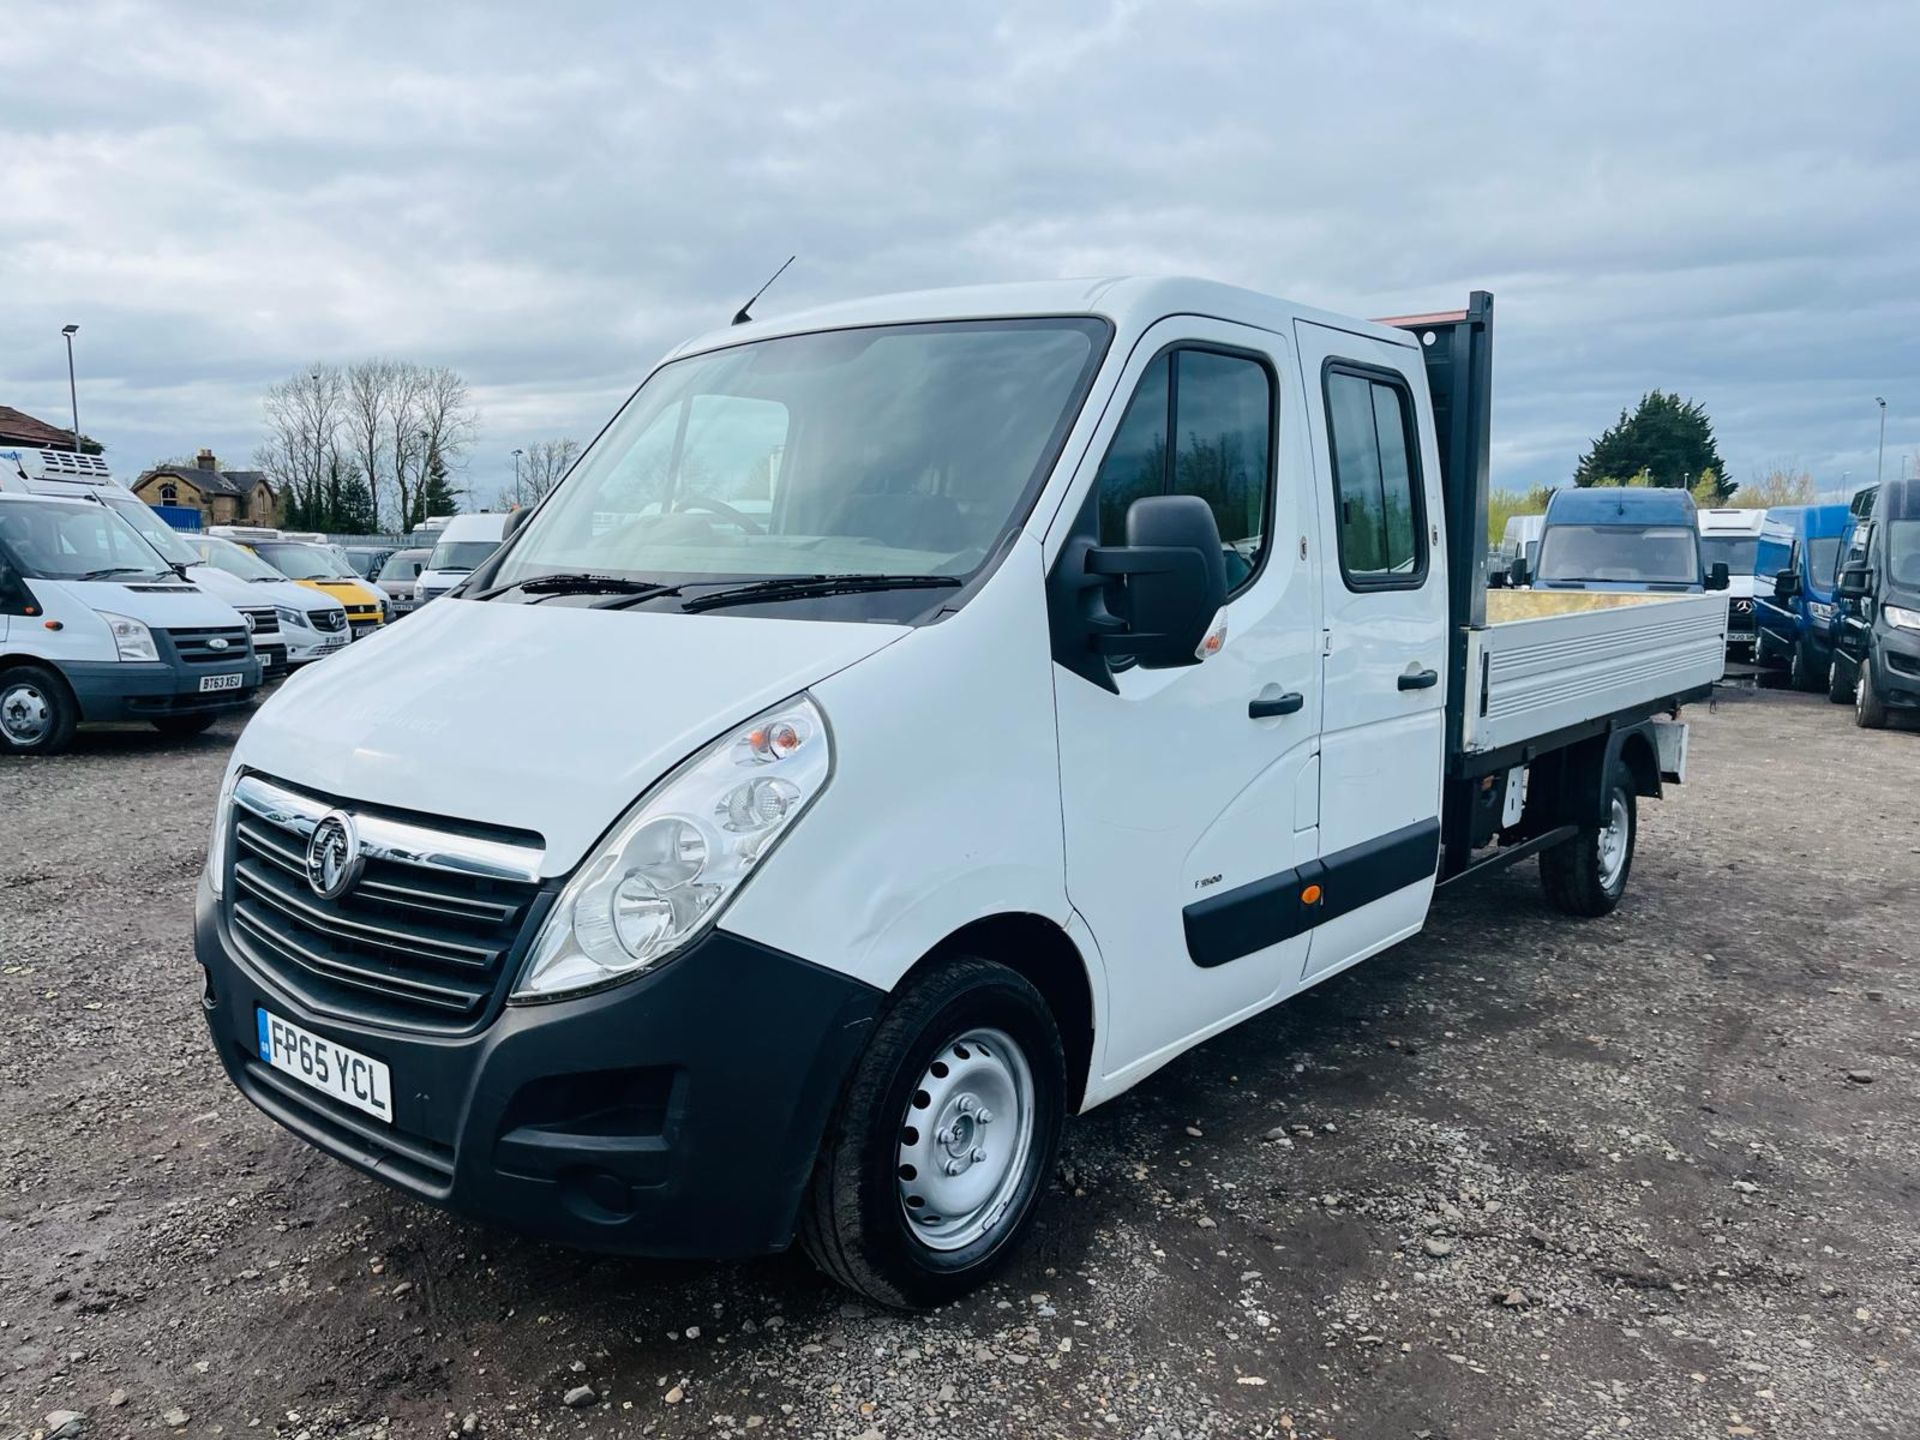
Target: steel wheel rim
x=25, y=715
x=966, y=1140
x=1613, y=843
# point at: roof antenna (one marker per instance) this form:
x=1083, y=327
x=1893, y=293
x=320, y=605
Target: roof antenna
x=742, y=317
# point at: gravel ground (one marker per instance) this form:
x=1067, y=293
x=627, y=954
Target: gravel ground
x=1653, y=1175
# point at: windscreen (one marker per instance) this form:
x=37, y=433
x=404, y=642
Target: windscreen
x=1823, y=558
x=305, y=562
x=174, y=547
x=1738, y=551
x=79, y=541
x=1629, y=554
x=461, y=556
x=232, y=558
x=890, y=450
x=1900, y=509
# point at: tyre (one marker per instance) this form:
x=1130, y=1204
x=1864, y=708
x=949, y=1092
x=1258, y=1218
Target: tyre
x=1587, y=875
x=1763, y=653
x=940, y=1147
x=1868, y=711
x=1840, y=680
x=37, y=711
x=1806, y=673
x=183, y=727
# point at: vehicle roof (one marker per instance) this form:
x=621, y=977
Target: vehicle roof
x=1131, y=302
x=481, y=525
x=1816, y=522
x=19, y=497
x=1621, y=505
x=1731, y=520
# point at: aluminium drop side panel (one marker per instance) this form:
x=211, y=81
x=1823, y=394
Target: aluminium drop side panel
x=1529, y=678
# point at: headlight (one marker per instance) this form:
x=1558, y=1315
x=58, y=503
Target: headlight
x=217, y=842
x=672, y=864
x=1901, y=618
x=1820, y=610
x=131, y=639
x=291, y=616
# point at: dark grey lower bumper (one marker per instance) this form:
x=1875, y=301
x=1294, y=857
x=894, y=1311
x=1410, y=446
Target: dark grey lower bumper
x=121, y=690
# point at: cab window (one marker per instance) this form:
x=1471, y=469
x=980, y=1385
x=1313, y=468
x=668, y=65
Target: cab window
x=1200, y=422
x=1381, y=524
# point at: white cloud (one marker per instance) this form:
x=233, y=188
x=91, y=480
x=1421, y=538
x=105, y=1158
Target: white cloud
x=1719, y=199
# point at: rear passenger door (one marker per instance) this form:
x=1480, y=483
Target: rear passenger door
x=1384, y=646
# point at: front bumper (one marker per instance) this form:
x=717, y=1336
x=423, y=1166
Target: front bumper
x=675, y=1115
x=1896, y=665
x=306, y=646
x=145, y=690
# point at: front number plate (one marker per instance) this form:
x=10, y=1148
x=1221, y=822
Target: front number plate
x=348, y=1076
x=222, y=682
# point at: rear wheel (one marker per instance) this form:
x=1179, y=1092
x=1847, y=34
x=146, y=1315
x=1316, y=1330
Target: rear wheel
x=1806, y=672
x=934, y=1162
x=1868, y=711
x=1587, y=875
x=37, y=711
x=1840, y=680
x=183, y=727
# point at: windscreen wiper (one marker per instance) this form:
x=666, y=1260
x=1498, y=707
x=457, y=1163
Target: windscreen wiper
x=791, y=587
x=114, y=570
x=573, y=582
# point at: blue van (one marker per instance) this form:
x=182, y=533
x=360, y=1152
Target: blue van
x=1793, y=600
x=1623, y=538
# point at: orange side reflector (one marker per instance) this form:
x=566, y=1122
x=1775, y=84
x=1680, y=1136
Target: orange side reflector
x=1310, y=895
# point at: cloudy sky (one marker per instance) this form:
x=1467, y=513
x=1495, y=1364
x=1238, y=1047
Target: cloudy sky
x=1718, y=199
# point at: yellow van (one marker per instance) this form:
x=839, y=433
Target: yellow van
x=319, y=568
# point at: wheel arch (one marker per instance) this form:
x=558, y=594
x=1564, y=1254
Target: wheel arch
x=10, y=659
x=1037, y=949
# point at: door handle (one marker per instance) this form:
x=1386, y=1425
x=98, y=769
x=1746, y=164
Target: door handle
x=1265, y=708
x=1419, y=679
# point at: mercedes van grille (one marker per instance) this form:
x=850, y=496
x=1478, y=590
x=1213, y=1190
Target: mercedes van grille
x=330, y=622
x=264, y=621
x=427, y=935
x=197, y=647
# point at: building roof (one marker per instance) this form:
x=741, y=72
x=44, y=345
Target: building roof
x=238, y=483
x=19, y=428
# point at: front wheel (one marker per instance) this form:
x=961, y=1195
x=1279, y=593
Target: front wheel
x=935, y=1159
x=37, y=711
x=1840, y=681
x=1869, y=712
x=1587, y=875
x=1806, y=673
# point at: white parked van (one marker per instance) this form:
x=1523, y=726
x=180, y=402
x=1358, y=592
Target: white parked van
x=465, y=543
x=1732, y=535
x=911, y=723
x=312, y=625
x=94, y=625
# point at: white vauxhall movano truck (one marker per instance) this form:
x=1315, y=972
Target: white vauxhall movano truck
x=911, y=723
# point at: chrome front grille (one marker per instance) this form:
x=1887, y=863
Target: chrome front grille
x=328, y=622
x=263, y=623
x=201, y=646
x=426, y=936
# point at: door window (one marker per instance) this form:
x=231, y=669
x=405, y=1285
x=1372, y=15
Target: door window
x=1217, y=408
x=1382, y=525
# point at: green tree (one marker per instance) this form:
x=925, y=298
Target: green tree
x=1666, y=438
x=436, y=495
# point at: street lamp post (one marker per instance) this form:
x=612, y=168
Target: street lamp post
x=73, y=390
x=518, y=498
x=1881, y=463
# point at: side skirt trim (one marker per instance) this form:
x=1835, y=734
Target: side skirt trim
x=1266, y=912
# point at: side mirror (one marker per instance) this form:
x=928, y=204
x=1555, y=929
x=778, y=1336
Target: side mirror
x=1855, y=583
x=1175, y=577
x=1520, y=573
x=515, y=519
x=1786, y=585
x=1718, y=575
x=418, y=566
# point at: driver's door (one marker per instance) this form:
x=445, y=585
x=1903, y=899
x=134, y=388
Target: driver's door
x=1189, y=795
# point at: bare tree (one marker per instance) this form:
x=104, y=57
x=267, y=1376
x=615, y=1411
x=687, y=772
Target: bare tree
x=443, y=418
x=1781, y=485
x=543, y=465
x=304, y=415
